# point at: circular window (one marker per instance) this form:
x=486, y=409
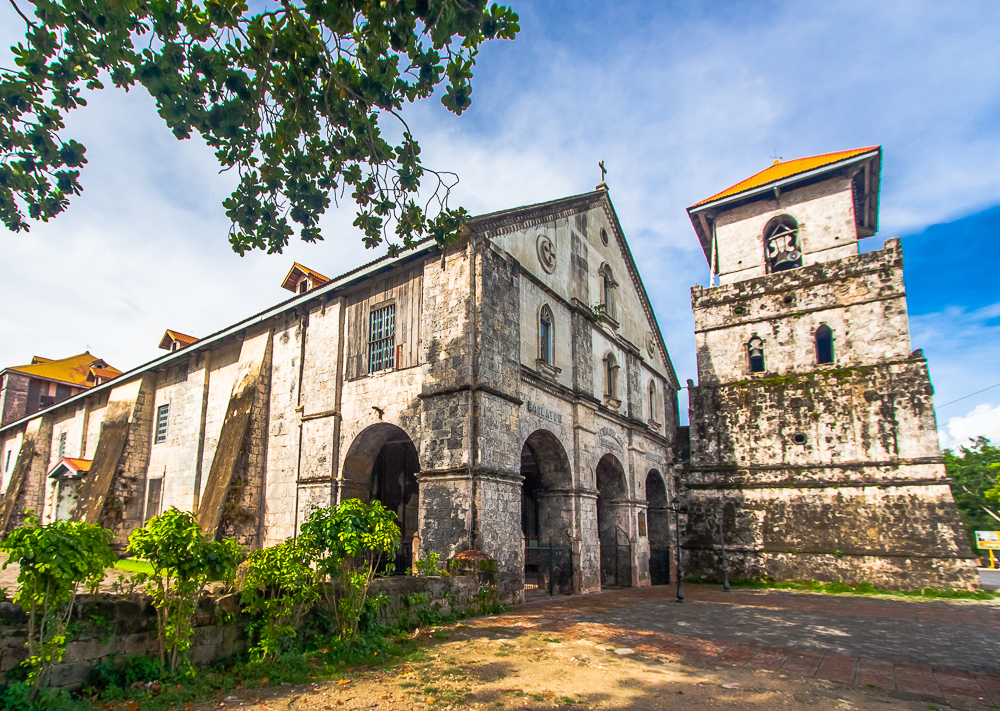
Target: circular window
x=546, y=253
x=604, y=236
x=789, y=299
x=799, y=438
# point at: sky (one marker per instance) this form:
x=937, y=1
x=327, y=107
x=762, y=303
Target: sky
x=680, y=99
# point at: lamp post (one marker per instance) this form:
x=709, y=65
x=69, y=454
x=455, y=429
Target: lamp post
x=722, y=544
x=675, y=506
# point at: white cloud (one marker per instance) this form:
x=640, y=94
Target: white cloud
x=981, y=421
x=680, y=103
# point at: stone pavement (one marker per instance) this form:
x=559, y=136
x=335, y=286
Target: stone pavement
x=933, y=649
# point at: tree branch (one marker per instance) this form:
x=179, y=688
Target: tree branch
x=18, y=11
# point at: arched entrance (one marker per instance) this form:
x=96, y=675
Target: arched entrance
x=546, y=515
x=612, y=523
x=658, y=524
x=381, y=465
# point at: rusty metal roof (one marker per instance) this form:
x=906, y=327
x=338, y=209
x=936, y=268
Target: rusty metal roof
x=779, y=171
x=74, y=370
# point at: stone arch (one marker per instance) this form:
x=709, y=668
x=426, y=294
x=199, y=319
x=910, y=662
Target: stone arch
x=546, y=512
x=381, y=465
x=658, y=527
x=613, y=523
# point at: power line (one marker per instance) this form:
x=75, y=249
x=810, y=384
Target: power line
x=966, y=397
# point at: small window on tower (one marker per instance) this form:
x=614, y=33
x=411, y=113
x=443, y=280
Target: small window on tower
x=62, y=445
x=824, y=344
x=545, y=335
x=755, y=350
x=652, y=401
x=781, y=244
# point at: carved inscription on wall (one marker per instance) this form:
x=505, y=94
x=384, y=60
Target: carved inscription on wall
x=610, y=440
x=544, y=413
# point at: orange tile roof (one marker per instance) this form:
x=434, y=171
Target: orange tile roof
x=779, y=171
x=82, y=465
x=318, y=278
x=74, y=466
x=106, y=373
x=74, y=370
x=170, y=336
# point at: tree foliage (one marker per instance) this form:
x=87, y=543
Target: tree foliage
x=974, y=486
x=53, y=560
x=290, y=96
x=184, y=561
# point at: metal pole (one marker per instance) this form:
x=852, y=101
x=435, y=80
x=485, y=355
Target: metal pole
x=722, y=544
x=677, y=540
x=551, y=588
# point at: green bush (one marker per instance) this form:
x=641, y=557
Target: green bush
x=278, y=589
x=349, y=543
x=184, y=561
x=53, y=559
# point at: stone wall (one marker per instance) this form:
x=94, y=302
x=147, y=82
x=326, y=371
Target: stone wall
x=105, y=626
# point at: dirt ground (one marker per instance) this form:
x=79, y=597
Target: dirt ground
x=480, y=667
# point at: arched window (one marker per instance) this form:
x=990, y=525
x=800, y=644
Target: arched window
x=781, y=244
x=652, y=401
x=755, y=351
x=610, y=376
x=824, y=344
x=608, y=285
x=545, y=345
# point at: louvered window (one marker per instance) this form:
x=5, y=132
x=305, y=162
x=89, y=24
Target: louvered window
x=162, y=413
x=382, y=339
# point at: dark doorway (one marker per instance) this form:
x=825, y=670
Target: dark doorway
x=659, y=528
x=612, y=524
x=381, y=465
x=546, y=516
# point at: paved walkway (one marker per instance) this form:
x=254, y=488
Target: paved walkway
x=933, y=649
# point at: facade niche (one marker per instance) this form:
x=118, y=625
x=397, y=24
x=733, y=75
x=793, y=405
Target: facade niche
x=608, y=286
x=755, y=352
x=781, y=244
x=824, y=344
x=652, y=401
x=611, y=380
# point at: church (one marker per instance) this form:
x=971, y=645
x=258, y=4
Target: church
x=513, y=394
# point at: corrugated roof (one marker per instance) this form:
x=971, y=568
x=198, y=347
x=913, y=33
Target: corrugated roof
x=780, y=171
x=73, y=370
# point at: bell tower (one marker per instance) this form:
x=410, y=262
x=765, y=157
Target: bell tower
x=812, y=424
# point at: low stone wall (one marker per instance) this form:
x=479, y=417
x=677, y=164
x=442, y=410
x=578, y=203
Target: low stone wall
x=107, y=625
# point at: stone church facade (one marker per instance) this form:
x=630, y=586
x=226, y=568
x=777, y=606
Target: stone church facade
x=513, y=394
x=510, y=394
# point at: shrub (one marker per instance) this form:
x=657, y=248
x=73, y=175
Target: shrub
x=54, y=559
x=349, y=543
x=184, y=561
x=279, y=588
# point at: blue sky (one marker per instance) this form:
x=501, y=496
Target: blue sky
x=680, y=99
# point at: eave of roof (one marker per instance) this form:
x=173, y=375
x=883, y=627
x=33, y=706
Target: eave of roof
x=729, y=196
x=425, y=246
x=780, y=172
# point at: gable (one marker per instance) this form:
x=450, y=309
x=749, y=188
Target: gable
x=561, y=244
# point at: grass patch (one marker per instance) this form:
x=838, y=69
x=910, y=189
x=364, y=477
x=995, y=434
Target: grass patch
x=860, y=589
x=134, y=565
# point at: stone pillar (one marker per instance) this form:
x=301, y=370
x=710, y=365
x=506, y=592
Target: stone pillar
x=113, y=492
x=26, y=490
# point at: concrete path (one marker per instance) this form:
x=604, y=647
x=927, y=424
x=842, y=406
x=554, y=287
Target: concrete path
x=945, y=650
